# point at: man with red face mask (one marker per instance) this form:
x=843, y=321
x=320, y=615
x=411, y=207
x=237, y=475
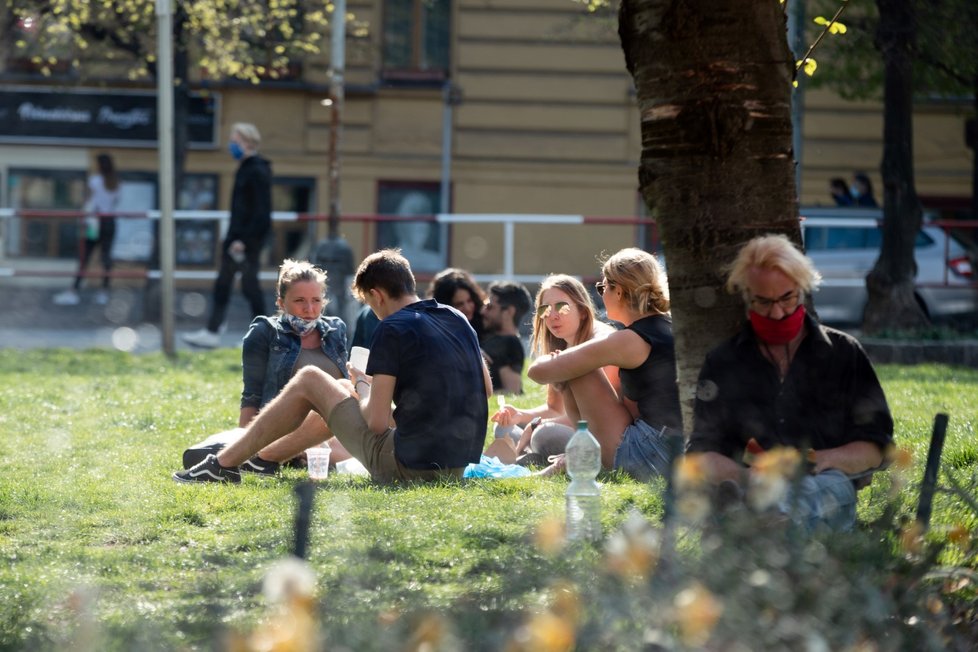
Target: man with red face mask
x=787, y=381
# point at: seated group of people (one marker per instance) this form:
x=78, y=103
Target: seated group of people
x=419, y=410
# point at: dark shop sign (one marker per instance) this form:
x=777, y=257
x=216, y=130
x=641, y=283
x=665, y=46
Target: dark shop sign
x=97, y=117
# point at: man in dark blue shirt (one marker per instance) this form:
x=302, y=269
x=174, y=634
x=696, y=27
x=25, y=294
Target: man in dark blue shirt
x=424, y=358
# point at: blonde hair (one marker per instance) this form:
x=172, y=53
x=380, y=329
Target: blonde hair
x=295, y=271
x=248, y=132
x=543, y=340
x=772, y=252
x=641, y=279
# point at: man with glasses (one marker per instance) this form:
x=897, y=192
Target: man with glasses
x=505, y=308
x=786, y=381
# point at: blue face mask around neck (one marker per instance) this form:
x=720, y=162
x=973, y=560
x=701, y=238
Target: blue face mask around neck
x=300, y=325
x=237, y=152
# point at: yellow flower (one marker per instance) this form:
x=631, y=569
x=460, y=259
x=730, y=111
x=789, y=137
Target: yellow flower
x=632, y=552
x=912, y=538
x=959, y=536
x=554, y=629
x=771, y=476
x=697, y=612
x=429, y=633
x=566, y=603
x=544, y=632
x=549, y=536
x=902, y=458
x=690, y=472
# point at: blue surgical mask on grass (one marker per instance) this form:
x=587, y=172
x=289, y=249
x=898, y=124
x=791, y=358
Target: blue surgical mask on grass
x=237, y=152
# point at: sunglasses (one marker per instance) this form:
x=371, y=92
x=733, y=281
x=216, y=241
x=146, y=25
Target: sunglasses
x=601, y=286
x=561, y=307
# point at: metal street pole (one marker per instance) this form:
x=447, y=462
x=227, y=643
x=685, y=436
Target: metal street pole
x=337, y=66
x=164, y=125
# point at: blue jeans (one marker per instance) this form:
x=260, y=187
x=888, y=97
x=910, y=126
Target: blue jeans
x=827, y=499
x=643, y=452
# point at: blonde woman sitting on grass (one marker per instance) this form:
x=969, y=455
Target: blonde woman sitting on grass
x=275, y=349
x=564, y=316
x=629, y=425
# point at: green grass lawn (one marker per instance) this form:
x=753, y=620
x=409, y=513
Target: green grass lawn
x=102, y=549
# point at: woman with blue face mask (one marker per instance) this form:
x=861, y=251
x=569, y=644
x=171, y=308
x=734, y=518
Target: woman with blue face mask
x=275, y=348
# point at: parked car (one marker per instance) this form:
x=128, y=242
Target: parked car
x=844, y=246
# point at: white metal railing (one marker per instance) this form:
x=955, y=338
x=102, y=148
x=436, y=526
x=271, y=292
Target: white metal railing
x=509, y=221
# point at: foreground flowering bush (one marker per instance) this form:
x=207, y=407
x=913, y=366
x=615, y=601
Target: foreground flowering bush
x=736, y=581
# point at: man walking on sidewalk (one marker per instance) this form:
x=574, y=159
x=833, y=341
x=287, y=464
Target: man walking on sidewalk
x=251, y=220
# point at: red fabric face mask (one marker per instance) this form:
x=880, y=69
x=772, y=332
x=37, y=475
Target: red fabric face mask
x=778, y=331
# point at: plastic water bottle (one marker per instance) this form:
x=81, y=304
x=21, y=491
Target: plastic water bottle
x=583, y=458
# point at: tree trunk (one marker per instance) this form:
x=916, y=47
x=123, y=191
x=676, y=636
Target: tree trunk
x=890, y=284
x=713, y=80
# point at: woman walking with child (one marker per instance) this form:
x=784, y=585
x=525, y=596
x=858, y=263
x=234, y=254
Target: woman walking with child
x=629, y=426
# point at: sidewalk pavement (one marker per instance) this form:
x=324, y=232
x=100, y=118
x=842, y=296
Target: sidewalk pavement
x=30, y=319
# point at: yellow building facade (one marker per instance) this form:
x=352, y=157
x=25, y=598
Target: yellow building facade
x=543, y=121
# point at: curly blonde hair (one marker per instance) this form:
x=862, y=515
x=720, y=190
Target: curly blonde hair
x=641, y=279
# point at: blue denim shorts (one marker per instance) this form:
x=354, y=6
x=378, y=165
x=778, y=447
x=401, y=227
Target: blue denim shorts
x=643, y=452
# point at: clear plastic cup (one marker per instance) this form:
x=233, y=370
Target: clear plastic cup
x=317, y=461
x=359, y=357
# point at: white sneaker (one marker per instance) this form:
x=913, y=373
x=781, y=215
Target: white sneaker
x=102, y=297
x=67, y=298
x=203, y=338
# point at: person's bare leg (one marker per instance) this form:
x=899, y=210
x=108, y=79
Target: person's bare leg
x=596, y=401
x=339, y=452
x=312, y=432
x=310, y=389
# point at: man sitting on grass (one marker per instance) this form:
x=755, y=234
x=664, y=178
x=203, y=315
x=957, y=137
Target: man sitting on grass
x=502, y=313
x=425, y=358
x=787, y=381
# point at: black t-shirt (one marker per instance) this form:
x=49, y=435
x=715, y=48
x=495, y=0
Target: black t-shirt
x=652, y=385
x=503, y=351
x=439, y=393
x=830, y=396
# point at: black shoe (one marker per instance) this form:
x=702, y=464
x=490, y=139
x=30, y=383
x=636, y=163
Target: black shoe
x=260, y=466
x=196, y=455
x=209, y=471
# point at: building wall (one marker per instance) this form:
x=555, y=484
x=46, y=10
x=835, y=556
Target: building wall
x=547, y=124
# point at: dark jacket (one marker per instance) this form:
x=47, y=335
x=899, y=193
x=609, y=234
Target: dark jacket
x=830, y=397
x=251, y=202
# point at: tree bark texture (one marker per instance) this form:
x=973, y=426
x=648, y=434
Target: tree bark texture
x=890, y=284
x=713, y=81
